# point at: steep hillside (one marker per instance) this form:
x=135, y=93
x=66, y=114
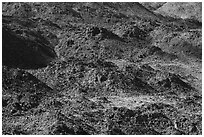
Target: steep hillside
x=100, y=69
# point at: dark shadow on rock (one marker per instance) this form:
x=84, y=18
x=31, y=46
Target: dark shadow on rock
x=24, y=47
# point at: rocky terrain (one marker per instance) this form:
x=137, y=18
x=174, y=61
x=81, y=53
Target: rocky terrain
x=101, y=68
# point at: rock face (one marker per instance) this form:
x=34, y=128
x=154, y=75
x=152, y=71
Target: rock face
x=100, y=69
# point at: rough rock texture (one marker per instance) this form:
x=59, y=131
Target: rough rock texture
x=100, y=68
x=153, y=5
x=182, y=10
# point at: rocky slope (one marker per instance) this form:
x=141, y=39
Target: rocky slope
x=182, y=10
x=100, y=68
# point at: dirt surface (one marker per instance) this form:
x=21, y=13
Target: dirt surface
x=101, y=69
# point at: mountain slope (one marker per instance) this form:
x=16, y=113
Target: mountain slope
x=100, y=68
